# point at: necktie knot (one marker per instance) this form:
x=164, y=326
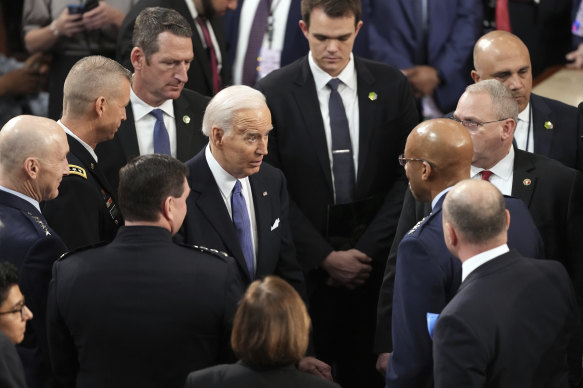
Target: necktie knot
x=237, y=188
x=157, y=113
x=333, y=84
x=486, y=174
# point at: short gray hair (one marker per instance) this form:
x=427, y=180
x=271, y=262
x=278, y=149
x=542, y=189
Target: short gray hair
x=503, y=103
x=222, y=108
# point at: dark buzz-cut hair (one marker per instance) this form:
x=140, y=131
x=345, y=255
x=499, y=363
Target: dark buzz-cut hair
x=153, y=21
x=271, y=325
x=145, y=183
x=478, y=221
x=8, y=278
x=332, y=8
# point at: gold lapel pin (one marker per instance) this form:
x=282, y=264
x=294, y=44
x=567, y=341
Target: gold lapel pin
x=186, y=119
x=372, y=96
x=548, y=125
x=526, y=182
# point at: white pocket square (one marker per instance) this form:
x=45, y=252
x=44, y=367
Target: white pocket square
x=275, y=225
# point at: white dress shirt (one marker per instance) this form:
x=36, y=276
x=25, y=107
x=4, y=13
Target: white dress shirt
x=348, y=92
x=481, y=258
x=144, y=123
x=28, y=199
x=226, y=183
x=502, y=173
x=280, y=12
x=523, y=133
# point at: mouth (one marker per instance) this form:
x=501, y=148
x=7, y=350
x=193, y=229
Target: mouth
x=256, y=163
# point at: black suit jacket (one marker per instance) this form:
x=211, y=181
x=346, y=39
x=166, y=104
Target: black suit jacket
x=188, y=111
x=28, y=242
x=85, y=212
x=298, y=147
x=513, y=323
x=11, y=371
x=240, y=375
x=563, y=141
x=140, y=312
x=208, y=222
x=552, y=193
x=200, y=77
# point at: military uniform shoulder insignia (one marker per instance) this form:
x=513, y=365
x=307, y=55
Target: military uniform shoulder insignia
x=83, y=248
x=417, y=225
x=209, y=250
x=41, y=223
x=77, y=170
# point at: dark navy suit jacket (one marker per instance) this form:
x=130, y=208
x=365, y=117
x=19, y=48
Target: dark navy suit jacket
x=427, y=278
x=28, y=242
x=454, y=26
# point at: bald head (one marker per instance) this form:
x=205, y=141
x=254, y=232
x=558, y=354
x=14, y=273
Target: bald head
x=476, y=211
x=32, y=149
x=503, y=56
x=435, y=141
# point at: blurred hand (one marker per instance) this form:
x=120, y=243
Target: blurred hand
x=69, y=24
x=102, y=15
x=349, y=268
x=423, y=79
x=383, y=362
x=576, y=58
x=316, y=367
x=29, y=79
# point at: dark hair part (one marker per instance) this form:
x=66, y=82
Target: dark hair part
x=8, y=278
x=332, y=8
x=477, y=220
x=145, y=183
x=153, y=21
x=271, y=326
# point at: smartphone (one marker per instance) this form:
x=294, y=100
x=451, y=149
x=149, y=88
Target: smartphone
x=90, y=4
x=75, y=9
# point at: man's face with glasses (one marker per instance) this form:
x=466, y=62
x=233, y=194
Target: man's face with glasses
x=489, y=133
x=13, y=315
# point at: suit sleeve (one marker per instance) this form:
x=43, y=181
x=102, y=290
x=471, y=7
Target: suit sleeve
x=574, y=242
x=420, y=288
x=75, y=213
x=459, y=356
x=61, y=344
x=234, y=288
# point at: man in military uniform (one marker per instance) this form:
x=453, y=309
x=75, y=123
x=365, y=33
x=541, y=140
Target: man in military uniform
x=142, y=311
x=96, y=92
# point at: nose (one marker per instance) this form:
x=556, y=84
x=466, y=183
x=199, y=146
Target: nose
x=332, y=45
x=262, y=146
x=182, y=72
x=66, y=168
x=514, y=82
x=124, y=115
x=26, y=313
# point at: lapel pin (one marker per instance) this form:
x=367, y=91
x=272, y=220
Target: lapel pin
x=265, y=193
x=372, y=96
x=92, y=166
x=186, y=119
x=526, y=182
x=548, y=125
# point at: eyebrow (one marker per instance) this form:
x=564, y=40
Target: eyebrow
x=322, y=36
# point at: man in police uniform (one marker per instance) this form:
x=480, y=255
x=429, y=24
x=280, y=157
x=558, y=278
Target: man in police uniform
x=96, y=92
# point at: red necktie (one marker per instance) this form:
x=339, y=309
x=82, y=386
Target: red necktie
x=214, y=63
x=486, y=175
x=502, y=16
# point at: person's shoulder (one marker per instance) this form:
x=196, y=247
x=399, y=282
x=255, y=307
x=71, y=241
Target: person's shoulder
x=273, y=81
x=204, y=253
x=194, y=97
x=378, y=69
x=551, y=168
x=553, y=105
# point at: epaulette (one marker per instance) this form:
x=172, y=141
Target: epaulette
x=84, y=248
x=215, y=252
x=417, y=225
x=77, y=170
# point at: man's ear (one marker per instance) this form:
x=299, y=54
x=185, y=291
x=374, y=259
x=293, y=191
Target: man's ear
x=304, y=28
x=217, y=136
x=32, y=167
x=450, y=235
x=166, y=208
x=138, y=58
x=99, y=106
x=475, y=76
x=426, y=171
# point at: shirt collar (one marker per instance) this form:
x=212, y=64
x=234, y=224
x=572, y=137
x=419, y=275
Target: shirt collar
x=141, y=108
x=321, y=78
x=224, y=180
x=28, y=199
x=481, y=258
x=524, y=115
x=192, y=9
x=438, y=196
x=503, y=169
x=85, y=145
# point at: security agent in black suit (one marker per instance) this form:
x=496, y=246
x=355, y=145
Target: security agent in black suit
x=550, y=190
x=96, y=92
x=528, y=304
x=161, y=36
x=237, y=122
x=545, y=126
x=33, y=160
x=142, y=311
x=342, y=246
x=200, y=77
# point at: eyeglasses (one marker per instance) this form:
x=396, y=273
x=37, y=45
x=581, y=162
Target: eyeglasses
x=473, y=125
x=403, y=161
x=19, y=310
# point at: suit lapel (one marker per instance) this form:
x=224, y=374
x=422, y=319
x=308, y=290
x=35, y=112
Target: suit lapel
x=210, y=203
x=127, y=135
x=307, y=100
x=185, y=128
x=541, y=114
x=263, y=220
x=368, y=108
x=524, y=177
